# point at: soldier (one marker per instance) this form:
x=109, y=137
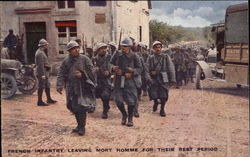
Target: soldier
x=160, y=74
x=127, y=66
x=11, y=42
x=42, y=73
x=185, y=65
x=112, y=48
x=76, y=74
x=178, y=60
x=103, y=72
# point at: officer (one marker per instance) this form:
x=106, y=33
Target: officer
x=42, y=73
x=103, y=72
x=160, y=74
x=76, y=74
x=127, y=66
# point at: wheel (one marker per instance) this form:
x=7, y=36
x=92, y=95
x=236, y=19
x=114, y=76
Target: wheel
x=29, y=85
x=198, y=77
x=8, y=86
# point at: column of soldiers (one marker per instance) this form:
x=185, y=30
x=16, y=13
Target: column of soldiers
x=122, y=75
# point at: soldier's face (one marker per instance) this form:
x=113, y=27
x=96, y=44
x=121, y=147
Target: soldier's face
x=125, y=49
x=157, y=49
x=74, y=51
x=102, y=51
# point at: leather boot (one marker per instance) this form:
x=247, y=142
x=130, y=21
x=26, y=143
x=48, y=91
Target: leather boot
x=155, y=105
x=106, y=108
x=162, y=111
x=40, y=96
x=136, y=113
x=130, y=116
x=124, y=113
x=49, y=99
x=81, y=120
x=75, y=130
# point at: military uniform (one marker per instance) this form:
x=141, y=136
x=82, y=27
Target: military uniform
x=103, y=89
x=42, y=72
x=79, y=91
x=126, y=83
x=178, y=60
x=160, y=73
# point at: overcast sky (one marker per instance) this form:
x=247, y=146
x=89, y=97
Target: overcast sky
x=190, y=13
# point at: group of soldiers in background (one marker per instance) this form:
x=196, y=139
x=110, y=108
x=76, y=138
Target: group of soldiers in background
x=110, y=72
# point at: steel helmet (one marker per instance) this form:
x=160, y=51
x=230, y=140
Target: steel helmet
x=126, y=42
x=157, y=43
x=42, y=42
x=112, y=44
x=72, y=44
x=141, y=44
x=100, y=45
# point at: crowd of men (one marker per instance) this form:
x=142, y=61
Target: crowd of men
x=121, y=73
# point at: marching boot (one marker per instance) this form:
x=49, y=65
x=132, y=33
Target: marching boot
x=40, y=96
x=162, y=111
x=81, y=123
x=49, y=99
x=106, y=108
x=155, y=105
x=130, y=116
x=136, y=113
x=124, y=113
x=75, y=130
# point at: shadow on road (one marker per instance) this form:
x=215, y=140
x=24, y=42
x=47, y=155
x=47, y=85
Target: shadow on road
x=242, y=92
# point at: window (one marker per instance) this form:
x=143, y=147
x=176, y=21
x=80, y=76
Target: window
x=66, y=4
x=97, y=3
x=100, y=18
x=67, y=31
x=133, y=0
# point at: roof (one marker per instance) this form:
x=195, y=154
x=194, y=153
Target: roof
x=237, y=8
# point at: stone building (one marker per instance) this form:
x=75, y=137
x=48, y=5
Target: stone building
x=61, y=21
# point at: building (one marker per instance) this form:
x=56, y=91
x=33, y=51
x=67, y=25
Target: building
x=61, y=21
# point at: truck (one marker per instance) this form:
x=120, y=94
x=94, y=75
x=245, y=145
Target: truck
x=228, y=61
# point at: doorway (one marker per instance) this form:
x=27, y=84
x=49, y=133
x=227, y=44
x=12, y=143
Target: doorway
x=34, y=32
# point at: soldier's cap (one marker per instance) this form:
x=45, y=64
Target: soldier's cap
x=157, y=43
x=42, y=42
x=89, y=47
x=112, y=44
x=126, y=42
x=72, y=44
x=100, y=45
x=141, y=45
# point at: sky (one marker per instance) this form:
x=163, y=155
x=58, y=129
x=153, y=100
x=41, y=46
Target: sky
x=190, y=13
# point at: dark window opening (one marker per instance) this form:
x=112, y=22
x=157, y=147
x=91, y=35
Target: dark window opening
x=61, y=4
x=97, y=3
x=71, y=4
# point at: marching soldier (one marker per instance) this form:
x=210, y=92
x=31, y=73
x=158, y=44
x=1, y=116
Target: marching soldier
x=76, y=74
x=178, y=60
x=145, y=55
x=42, y=73
x=127, y=66
x=160, y=74
x=112, y=48
x=103, y=72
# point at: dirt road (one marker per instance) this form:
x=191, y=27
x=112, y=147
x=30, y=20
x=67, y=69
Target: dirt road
x=213, y=122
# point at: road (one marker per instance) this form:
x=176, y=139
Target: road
x=212, y=122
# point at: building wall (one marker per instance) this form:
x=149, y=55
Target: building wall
x=131, y=15
x=128, y=15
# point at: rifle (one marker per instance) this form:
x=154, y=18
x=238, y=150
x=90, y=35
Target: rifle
x=119, y=47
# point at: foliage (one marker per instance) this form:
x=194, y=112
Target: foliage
x=166, y=33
